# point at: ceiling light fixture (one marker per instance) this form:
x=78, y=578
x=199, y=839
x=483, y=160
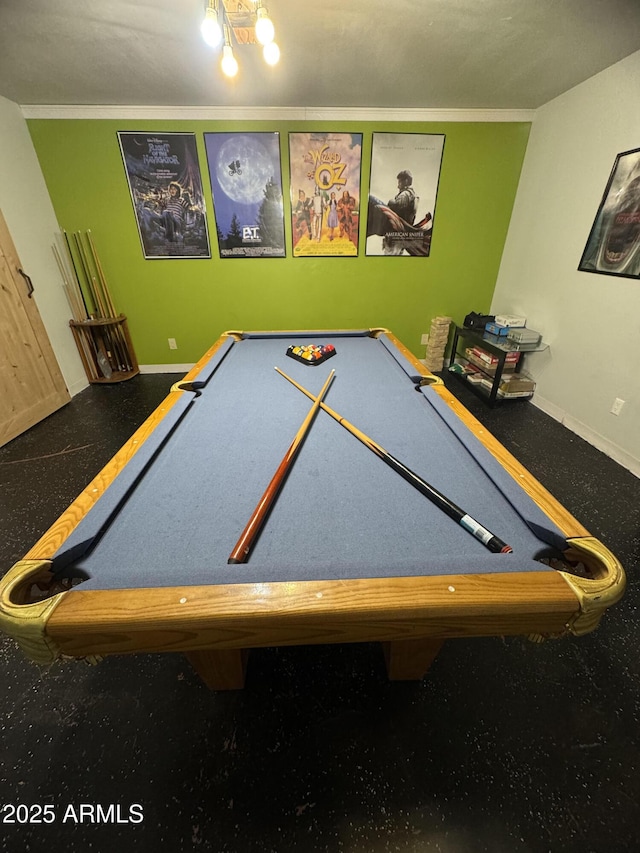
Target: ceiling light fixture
x=271, y=53
x=249, y=23
x=210, y=26
x=229, y=63
x=265, y=31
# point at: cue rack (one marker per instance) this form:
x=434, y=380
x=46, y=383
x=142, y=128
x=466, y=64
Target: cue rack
x=101, y=334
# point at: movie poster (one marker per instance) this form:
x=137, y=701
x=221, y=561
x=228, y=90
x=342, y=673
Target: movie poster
x=246, y=182
x=166, y=190
x=325, y=193
x=405, y=170
x=613, y=246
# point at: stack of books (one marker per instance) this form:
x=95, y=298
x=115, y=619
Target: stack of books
x=488, y=362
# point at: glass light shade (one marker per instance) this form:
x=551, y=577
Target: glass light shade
x=265, y=31
x=271, y=53
x=210, y=29
x=229, y=63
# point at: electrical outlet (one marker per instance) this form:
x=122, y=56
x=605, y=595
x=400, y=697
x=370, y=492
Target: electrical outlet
x=617, y=406
x=172, y=343
x=424, y=339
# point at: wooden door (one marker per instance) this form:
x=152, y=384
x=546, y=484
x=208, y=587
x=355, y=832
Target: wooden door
x=31, y=385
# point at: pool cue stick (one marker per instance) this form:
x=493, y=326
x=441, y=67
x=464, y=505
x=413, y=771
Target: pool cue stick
x=97, y=344
x=95, y=358
x=477, y=530
x=75, y=275
x=76, y=312
x=96, y=282
x=119, y=343
x=103, y=353
x=243, y=546
x=109, y=332
x=101, y=275
x=103, y=332
x=90, y=279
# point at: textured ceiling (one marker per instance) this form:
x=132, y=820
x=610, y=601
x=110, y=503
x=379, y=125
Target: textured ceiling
x=420, y=54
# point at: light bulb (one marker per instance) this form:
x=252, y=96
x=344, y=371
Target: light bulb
x=229, y=63
x=271, y=53
x=210, y=29
x=265, y=30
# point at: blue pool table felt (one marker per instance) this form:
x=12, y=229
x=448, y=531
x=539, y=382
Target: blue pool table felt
x=174, y=514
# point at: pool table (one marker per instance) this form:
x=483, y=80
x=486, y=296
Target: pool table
x=349, y=552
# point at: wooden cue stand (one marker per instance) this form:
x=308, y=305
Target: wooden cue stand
x=106, y=349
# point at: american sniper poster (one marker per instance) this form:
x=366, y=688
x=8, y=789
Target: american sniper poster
x=166, y=190
x=405, y=170
x=246, y=182
x=325, y=193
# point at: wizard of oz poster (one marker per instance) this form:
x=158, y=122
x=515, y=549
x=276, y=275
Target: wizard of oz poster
x=325, y=193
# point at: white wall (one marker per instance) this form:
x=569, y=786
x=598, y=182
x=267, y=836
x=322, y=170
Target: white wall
x=591, y=321
x=29, y=214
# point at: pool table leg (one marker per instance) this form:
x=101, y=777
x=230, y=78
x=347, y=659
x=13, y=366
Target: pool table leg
x=220, y=669
x=409, y=660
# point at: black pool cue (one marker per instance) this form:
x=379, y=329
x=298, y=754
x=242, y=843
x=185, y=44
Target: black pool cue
x=244, y=544
x=488, y=539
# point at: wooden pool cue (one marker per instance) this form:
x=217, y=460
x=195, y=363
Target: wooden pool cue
x=115, y=331
x=488, y=539
x=244, y=544
x=101, y=276
x=76, y=276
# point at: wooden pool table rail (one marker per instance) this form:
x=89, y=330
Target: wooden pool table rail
x=234, y=617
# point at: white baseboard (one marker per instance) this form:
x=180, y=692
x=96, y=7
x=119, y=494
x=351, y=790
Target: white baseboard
x=594, y=438
x=76, y=387
x=165, y=368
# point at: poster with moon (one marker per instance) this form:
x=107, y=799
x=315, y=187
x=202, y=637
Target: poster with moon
x=325, y=193
x=166, y=190
x=246, y=183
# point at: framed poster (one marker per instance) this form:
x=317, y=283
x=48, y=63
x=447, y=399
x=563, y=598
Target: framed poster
x=246, y=183
x=405, y=171
x=325, y=193
x=613, y=246
x=166, y=190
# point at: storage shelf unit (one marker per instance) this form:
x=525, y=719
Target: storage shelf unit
x=459, y=363
x=105, y=348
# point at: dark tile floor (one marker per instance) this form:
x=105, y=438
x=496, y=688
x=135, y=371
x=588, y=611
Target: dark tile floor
x=505, y=746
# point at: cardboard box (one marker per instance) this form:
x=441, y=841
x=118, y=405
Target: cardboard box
x=510, y=320
x=513, y=396
x=519, y=383
x=497, y=329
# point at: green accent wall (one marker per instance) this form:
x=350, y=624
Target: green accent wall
x=194, y=301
